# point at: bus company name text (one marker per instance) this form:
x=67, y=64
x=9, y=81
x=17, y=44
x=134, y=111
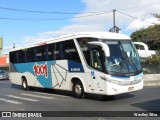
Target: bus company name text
x=22, y=115
x=41, y=69
x=75, y=69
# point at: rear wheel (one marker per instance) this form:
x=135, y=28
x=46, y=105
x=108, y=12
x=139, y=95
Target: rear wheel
x=24, y=84
x=78, y=90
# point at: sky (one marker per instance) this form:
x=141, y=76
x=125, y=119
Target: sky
x=24, y=22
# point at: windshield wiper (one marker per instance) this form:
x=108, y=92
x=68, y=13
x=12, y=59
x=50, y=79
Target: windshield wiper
x=134, y=65
x=130, y=61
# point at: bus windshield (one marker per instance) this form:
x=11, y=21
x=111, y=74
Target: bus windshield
x=124, y=59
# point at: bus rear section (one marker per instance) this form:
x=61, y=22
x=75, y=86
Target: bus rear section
x=53, y=65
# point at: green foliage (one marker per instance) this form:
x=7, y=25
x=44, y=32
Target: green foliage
x=156, y=15
x=150, y=36
x=151, y=33
x=154, y=59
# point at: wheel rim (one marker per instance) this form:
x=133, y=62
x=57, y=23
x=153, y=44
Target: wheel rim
x=78, y=89
x=24, y=85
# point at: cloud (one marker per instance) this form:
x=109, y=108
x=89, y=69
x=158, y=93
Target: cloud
x=6, y=49
x=82, y=28
x=104, y=22
x=41, y=37
x=127, y=6
x=137, y=24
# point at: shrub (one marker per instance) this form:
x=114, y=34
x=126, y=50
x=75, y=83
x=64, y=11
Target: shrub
x=154, y=59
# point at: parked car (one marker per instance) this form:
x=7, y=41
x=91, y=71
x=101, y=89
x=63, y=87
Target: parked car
x=3, y=75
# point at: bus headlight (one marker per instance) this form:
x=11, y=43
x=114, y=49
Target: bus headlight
x=110, y=80
x=113, y=81
x=122, y=81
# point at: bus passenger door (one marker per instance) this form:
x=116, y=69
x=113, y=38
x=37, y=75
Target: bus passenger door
x=97, y=62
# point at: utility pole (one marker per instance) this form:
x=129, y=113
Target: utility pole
x=114, y=21
x=115, y=28
x=1, y=45
x=13, y=45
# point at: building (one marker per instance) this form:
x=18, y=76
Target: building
x=4, y=62
x=1, y=45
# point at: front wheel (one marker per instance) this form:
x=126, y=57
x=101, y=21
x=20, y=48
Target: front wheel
x=78, y=90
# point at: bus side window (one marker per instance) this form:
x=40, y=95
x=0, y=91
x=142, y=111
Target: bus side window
x=83, y=43
x=50, y=51
x=57, y=54
x=66, y=50
x=87, y=56
x=96, y=59
x=30, y=55
x=40, y=53
x=70, y=51
x=13, y=57
x=21, y=56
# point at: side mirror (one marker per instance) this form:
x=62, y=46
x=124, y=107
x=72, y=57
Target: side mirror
x=146, y=51
x=104, y=46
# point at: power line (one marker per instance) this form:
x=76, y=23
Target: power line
x=52, y=19
x=46, y=12
x=133, y=17
x=127, y=14
x=98, y=13
x=139, y=6
x=58, y=12
x=34, y=11
x=29, y=19
x=115, y=28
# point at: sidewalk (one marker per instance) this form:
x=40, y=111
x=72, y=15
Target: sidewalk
x=151, y=79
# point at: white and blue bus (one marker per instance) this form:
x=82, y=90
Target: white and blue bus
x=90, y=62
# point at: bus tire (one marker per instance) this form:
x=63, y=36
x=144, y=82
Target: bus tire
x=25, y=84
x=78, y=90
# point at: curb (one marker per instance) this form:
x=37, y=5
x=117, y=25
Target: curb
x=151, y=79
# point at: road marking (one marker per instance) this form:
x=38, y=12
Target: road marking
x=38, y=96
x=51, y=94
x=10, y=101
x=22, y=98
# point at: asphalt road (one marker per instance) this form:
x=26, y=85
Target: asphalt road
x=13, y=98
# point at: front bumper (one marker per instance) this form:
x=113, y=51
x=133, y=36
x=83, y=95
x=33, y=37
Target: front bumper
x=114, y=89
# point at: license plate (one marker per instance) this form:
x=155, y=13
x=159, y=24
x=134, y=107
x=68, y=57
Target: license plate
x=130, y=88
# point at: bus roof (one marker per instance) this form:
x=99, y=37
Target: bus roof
x=99, y=35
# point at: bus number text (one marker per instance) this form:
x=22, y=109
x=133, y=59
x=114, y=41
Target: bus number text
x=40, y=70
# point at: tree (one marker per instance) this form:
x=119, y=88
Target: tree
x=150, y=35
x=156, y=15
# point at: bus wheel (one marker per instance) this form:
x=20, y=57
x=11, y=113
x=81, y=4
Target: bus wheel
x=24, y=84
x=78, y=90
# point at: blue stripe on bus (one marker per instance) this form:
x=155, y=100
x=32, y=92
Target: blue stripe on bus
x=75, y=66
x=46, y=81
x=120, y=76
x=139, y=75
